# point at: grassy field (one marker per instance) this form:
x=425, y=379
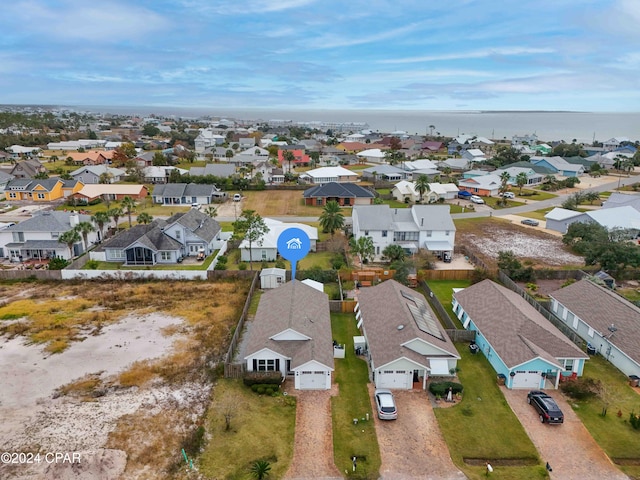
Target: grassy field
x=631, y=294
x=262, y=428
x=482, y=427
x=274, y=203
x=535, y=194
x=612, y=432
x=320, y=259
x=443, y=290
x=493, y=202
x=353, y=402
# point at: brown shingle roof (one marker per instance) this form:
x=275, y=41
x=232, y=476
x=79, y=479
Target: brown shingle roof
x=383, y=309
x=599, y=307
x=516, y=331
x=299, y=307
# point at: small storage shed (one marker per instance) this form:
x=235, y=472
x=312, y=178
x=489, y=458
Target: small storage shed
x=272, y=277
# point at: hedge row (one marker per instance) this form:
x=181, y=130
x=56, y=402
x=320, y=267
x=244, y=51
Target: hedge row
x=441, y=388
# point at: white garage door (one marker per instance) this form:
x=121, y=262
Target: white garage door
x=393, y=379
x=313, y=380
x=526, y=379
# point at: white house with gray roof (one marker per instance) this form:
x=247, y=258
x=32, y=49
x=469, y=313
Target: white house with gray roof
x=187, y=194
x=419, y=227
x=604, y=319
x=291, y=334
x=624, y=217
x=404, y=341
x=92, y=174
x=38, y=237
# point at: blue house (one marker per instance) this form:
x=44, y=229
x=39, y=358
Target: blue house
x=522, y=346
x=559, y=166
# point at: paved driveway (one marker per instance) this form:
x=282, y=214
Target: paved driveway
x=569, y=448
x=412, y=447
x=313, y=441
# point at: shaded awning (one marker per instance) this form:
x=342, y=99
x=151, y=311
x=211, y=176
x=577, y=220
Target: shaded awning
x=438, y=245
x=38, y=245
x=411, y=246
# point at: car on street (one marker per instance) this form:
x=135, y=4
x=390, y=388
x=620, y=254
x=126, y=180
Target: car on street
x=508, y=195
x=385, y=404
x=530, y=222
x=546, y=407
x=476, y=199
x=237, y=197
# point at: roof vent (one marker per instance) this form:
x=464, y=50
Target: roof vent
x=400, y=327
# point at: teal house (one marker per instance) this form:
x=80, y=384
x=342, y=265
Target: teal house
x=522, y=346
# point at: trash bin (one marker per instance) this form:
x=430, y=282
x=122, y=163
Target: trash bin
x=473, y=348
x=634, y=380
x=501, y=379
x=591, y=350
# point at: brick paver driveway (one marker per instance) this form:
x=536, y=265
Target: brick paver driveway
x=570, y=450
x=313, y=442
x=412, y=447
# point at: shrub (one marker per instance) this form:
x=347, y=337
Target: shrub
x=242, y=266
x=57, y=263
x=581, y=388
x=194, y=441
x=92, y=264
x=441, y=388
x=262, y=378
x=280, y=263
x=634, y=420
x=222, y=259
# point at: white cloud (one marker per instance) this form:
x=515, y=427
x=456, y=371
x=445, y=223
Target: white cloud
x=333, y=41
x=247, y=7
x=487, y=52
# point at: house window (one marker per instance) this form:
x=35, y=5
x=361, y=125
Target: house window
x=384, y=233
x=267, y=365
x=568, y=365
x=264, y=254
x=366, y=233
x=554, y=305
x=165, y=255
x=41, y=196
x=116, y=254
x=429, y=233
x=12, y=195
x=177, y=234
x=319, y=202
x=55, y=235
x=447, y=233
x=18, y=237
x=590, y=332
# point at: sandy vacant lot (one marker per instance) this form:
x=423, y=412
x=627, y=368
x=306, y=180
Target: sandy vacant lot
x=124, y=394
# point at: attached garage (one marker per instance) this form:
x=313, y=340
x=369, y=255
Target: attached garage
x=400, y=379
x=526, y=379
x=312, y=376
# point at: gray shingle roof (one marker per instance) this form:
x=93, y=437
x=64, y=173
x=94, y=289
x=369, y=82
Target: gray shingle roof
x=198, y=223
x=47, y=221
x=334, y=189
x=516, y=331
x=299, y=307
x=383, y=309
x=178, y=190
x=599, y=307
x=374, y=217
x=215, y=169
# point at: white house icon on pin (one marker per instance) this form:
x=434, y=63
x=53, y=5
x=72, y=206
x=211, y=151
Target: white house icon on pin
x=294, y=244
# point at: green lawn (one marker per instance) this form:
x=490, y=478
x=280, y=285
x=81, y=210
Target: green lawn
x=614, y=434
x=631, y=294
x=535, y=194
x=443, y=290
x=483, y=427
x=493, y=202
x=352, y=375
x=320, y=259
x=262, y=428
x=173, y=266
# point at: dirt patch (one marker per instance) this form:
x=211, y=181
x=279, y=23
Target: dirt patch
x=488, y=238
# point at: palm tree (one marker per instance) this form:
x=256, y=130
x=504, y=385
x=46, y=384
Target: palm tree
x=144, y=218
x=115, y=213
x=521, y=181
x=105, y=177
x=211, y=211
x=84, y=228
x=260, y=469
x=70, y=238
x=331, y=218
x=422, y=185
x=288, y=156
x=447, y=172
x=100, y=219
x=431, y=129
x=504, y=186
x=128, y=205
x=363, y=248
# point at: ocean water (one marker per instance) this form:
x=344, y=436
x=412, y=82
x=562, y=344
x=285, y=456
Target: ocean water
x=549, y=126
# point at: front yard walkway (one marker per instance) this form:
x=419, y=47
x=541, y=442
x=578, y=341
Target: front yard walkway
x=313, y=442
x=412, y=447
x=569, y=449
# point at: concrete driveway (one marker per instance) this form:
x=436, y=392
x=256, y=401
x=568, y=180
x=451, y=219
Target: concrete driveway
x=412, y=447
x=570, y=450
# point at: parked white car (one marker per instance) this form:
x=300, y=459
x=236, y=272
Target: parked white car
x=508, y=195
x=476, y=199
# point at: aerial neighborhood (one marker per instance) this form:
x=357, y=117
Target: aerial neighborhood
x=483, y=290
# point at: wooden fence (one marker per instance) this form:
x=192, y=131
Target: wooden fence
x=231, y=369
x=342, y=306
x=446, y=274
x=445, y=319
x=457, y=335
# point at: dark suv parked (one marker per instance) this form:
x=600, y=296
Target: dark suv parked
x=546, y=406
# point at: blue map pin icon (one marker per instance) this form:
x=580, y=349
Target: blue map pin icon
x=293, y=245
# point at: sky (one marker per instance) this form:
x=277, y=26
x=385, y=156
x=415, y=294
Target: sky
x=579, y=55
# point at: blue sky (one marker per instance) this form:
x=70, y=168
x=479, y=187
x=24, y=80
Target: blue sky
x=295, y=54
